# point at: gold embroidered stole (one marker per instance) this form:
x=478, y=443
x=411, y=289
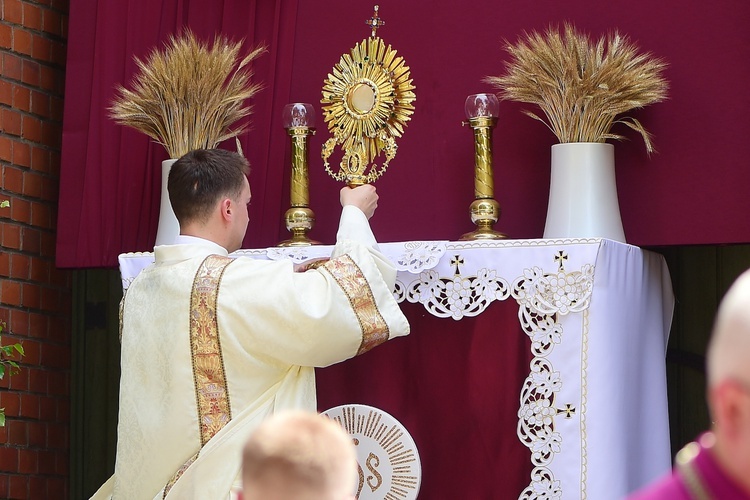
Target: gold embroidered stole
x=211, y=394
x=356, y=288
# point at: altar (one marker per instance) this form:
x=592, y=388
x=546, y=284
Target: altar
x=534, y=369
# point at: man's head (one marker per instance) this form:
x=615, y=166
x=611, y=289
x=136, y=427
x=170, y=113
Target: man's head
x=209, y=193
x=299, y=455
x=728, y=367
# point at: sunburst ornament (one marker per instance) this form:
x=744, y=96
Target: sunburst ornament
x=367, y=101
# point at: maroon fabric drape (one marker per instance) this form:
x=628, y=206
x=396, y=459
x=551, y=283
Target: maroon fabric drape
x=111, y=175
x=692, y=191
x=455, y=386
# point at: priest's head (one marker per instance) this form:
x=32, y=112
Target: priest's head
x=209, y=193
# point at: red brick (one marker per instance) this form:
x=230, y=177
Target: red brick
x=29, y=404
x=38, y=382
x=32, y=181
x=11, y=402
x=20, y=266
x=13, y=181
x=8, y=459
x=31, y=295
x=19, y=486
x=38, y=325
x=39, y=159
x=51, y=22
x=31, y=356
x=56, y=488
x=6, y=93
x=28, y=461
x=21, y=98
x=51, y=134
x=6, y=149
x=40, y=270
x=56, y=108
x=22, y=155
x=47, y=247
x=63, y=410
x=20, y=211
x=41, y=215
x=12, y=66
x=59, y=53
x=59, y=277
x=40, y=104
x=48, y=408
x=46, y=464
x=58, y=384
x=38, y=487
x=11, y=235
x=50, y=189
x=54, y=163
x=6, y=36
x=38, y=434
x=18, y=433
x=11, y=121
x=19, y=322
x=58, y=436
x=4, y=478
x=32, y=16
x=20, y=382
x=50, y=80
x=30, y=73
x=11, y=293
x=4, y=264
x=61, y=467
x=31, y=240
x=56, y=356
x=13, y=11
x=21, y=41
x=32, y=129
x=41, y=48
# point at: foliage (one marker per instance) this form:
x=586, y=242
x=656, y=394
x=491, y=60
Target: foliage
x=189, y=95
x=7, y=364
x=582, y=86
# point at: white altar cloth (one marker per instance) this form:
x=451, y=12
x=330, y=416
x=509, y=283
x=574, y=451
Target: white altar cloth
x=593, y=409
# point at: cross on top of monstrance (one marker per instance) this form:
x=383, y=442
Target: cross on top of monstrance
x=375, y=22
x=367, y=101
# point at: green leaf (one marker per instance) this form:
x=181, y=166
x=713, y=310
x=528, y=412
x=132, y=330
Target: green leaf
x=2, y=417
x=2, y=371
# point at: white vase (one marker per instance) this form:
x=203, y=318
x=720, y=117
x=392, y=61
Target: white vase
x=168, y=228
x=583, y=193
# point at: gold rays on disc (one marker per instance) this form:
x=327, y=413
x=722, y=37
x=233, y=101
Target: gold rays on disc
x=367, y=101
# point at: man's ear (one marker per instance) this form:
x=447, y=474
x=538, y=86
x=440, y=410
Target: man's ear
x=226, y=209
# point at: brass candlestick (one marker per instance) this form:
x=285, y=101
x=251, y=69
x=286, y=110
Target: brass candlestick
x=299, y=121
x=482, y=112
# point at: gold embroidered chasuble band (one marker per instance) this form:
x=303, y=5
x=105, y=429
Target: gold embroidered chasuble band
x=353, y=282
x=211, y=394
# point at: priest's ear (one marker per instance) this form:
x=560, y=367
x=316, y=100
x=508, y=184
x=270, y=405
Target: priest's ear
x=227, y=209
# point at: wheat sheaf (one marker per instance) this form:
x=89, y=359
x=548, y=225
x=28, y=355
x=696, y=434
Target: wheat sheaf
x=190, y=95
x=582, y=86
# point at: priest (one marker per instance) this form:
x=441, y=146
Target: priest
x=212, y=345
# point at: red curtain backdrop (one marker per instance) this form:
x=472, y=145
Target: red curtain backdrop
x=455, y=386
x=692, y=191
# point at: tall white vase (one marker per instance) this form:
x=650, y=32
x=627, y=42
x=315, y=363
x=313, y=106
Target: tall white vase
x=168, y=228
x=583, y=193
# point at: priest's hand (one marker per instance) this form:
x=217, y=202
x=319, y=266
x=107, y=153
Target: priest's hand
x=363, y=197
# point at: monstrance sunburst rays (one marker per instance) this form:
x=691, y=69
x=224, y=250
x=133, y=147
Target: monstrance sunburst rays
x=367, y=101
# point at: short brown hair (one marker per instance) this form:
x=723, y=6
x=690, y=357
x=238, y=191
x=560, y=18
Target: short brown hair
x=200, y=178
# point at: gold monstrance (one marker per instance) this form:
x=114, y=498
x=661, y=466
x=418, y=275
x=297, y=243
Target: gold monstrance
x=367, y=100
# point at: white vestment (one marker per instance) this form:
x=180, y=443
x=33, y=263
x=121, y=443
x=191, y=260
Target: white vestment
x=190, y=392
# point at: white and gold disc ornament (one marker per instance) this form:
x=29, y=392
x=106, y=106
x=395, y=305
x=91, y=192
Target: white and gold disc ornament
x=387, y=458
x=367, y=100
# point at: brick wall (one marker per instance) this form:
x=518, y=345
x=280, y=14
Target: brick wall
x=35, y=297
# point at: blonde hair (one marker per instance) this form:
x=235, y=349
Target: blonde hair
x=300, y=455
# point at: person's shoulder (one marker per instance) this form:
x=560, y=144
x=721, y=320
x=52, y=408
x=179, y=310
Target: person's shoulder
x=668, y=487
